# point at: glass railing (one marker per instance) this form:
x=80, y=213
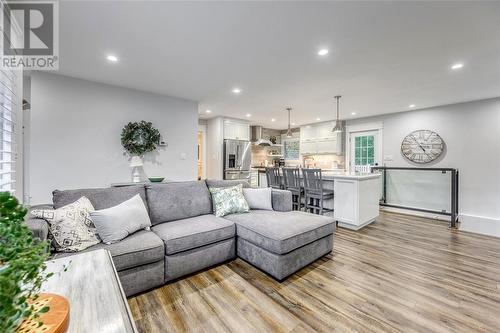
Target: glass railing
x=431, y=190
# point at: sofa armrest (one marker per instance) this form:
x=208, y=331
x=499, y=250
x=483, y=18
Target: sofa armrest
x=39, y=227
x=281, y=200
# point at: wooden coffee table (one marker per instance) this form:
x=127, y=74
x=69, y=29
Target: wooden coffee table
x=91, y=285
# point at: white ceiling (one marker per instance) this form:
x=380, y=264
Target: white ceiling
x=383, y=55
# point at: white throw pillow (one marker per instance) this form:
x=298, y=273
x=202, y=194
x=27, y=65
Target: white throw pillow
x=71, y=228
x=115, y=223
x=259, y=198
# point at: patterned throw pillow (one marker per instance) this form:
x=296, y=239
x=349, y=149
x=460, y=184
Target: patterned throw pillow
x=71, y=229
x=228, y=200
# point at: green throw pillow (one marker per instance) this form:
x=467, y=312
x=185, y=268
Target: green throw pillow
x=228, y=200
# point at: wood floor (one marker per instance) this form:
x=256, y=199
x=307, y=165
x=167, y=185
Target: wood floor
x=400, y=274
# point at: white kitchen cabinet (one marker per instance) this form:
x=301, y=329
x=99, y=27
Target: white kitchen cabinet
x=254, y=178
x=325, y=146
x=236, y=130
x=356, y=201
x=307, y=133
x=319, y=139
x=324, y=131
x=262, y=179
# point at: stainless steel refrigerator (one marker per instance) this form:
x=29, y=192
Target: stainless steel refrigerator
x=237, y=159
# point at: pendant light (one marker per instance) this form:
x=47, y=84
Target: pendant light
x=289, y=131
x=338, y=124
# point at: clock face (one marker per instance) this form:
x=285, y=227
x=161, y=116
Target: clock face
x=422, y=146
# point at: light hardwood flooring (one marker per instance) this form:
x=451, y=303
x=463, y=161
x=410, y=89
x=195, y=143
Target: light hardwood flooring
x=400, y=274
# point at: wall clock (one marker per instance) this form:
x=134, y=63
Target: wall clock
x=422, y=146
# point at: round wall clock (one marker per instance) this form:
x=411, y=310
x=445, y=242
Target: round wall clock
x=422, y=146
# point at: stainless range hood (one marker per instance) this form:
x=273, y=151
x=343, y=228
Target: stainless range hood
x=257, y=138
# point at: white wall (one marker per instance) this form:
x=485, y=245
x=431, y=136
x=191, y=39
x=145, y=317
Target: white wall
x=75, y=134
x=215, y=148
x=471, y=132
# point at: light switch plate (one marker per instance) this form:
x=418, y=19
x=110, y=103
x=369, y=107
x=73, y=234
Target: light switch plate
x=183, y=156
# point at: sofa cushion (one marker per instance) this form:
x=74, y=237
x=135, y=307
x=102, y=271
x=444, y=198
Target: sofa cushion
x=193, y=232
x=176, y=201
x=101, y=198
x=140, y=248
x=226, y=183
x=281, y=232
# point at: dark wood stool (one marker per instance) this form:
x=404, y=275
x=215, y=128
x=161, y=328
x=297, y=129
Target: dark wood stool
x=292, y=182
x=273, y=178
x=314, y=193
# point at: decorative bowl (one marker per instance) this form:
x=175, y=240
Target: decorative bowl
x=156, y=179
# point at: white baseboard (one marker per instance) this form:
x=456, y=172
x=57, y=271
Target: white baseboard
x=470, y=223
x=415, y=213
x=480, y=225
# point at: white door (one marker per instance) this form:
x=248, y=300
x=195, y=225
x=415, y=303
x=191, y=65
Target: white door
x=363, y=152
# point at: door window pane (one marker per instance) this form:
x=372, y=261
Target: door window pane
x=364, y=150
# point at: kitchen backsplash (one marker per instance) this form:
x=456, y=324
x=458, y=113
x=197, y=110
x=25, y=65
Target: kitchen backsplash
x=327, y=161
x=260, y=155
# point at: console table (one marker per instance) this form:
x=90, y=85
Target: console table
x=91, y=285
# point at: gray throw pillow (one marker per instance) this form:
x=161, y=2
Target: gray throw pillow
x=259, y=198
x=115, y=223
x=228, y=200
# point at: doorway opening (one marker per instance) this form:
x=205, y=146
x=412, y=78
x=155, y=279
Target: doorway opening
x=201, y=161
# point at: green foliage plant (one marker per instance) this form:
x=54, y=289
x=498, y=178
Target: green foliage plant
x=22, y=266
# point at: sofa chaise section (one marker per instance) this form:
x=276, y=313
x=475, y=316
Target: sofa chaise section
x=281, y=243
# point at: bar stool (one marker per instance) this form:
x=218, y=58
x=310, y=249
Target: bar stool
x=314, y=192
x=273, y=178
x=291, y=177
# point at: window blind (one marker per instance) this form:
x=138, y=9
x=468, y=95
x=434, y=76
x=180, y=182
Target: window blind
x=8, y=148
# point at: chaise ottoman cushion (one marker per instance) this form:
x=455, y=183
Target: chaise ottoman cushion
x=140, y=248
x=194, y=232
x=281, y=232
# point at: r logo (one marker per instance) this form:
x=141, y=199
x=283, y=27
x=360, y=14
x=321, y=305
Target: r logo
x=36, y=22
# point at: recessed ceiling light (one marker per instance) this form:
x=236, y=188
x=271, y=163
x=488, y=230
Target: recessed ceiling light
x=248, y=115
x=272, y=119
x=293, y=124
x=112, y=58
x=353, y=113
x=457, y=66
x=318, y=119
x=236, y=90
x=411, y=105
x=323, y=52
x=208, y=111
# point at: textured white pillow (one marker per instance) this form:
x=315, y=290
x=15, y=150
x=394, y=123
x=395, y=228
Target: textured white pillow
x=71, y=229
x=115, y=223
x=259, y=198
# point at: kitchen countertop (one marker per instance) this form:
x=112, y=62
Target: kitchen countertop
x=332, y=175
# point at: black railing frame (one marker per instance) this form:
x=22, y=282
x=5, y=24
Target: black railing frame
x=454, y=192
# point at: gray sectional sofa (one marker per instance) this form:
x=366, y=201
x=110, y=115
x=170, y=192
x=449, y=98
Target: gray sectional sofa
x=186, y=237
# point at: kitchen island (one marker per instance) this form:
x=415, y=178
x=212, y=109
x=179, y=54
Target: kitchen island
x=356, y=197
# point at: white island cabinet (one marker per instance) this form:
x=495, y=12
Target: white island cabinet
x=356, y=200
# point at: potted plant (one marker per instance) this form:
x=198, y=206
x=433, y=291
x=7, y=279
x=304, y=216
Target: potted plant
x=22, y=266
